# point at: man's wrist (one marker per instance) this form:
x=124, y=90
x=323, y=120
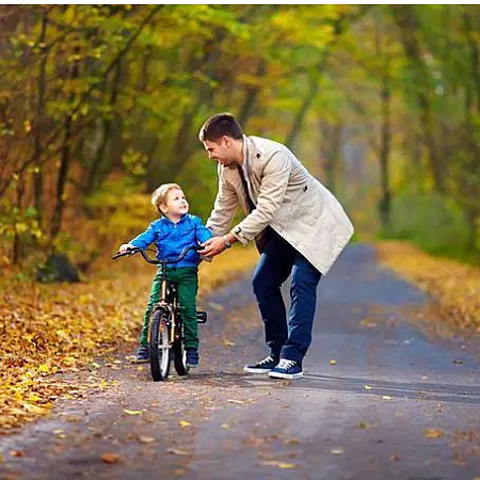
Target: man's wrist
x=228, y=243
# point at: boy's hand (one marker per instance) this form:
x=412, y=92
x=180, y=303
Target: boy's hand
x=126, y=246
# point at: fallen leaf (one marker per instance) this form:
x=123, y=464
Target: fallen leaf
x=395, y=457
x=386, y=397
x=184, y=423
x=274, y=463
x=133, y=412
x=110, y=457
x=365, y=425
x=291, y=441
x=433, y=433
x=17, y=453
x=225, y=425
x=35, y=409
x=175, y=451
x=228, y=343
x=333, y=362
x=146, y=439
x=234, y=401
x=367, y=387
x=337, y=451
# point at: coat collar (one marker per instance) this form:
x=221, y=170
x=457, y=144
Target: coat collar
x=250, y=150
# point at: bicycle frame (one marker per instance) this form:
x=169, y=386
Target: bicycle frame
x=164, y=301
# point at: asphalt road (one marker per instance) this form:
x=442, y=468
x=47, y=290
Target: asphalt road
x=383, y=397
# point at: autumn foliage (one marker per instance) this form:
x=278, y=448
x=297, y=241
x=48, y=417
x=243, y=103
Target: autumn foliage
x=49, y=329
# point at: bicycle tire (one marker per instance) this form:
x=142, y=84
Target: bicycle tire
x=160, y=351
x=180, y=358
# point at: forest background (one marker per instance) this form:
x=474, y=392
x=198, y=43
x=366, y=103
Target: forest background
x=101, y=104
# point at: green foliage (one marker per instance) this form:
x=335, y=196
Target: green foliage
x=101, y=103
x=436, y=224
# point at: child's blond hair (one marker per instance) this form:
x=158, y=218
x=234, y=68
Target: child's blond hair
x=159, y=196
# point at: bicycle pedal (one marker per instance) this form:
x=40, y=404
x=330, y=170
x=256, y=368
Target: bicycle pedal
x=201, y=316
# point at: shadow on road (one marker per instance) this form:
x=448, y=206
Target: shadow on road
x=466, y=394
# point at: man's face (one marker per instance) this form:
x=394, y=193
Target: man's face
x=221, y=150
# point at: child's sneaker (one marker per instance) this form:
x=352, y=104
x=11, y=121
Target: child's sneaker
x=262, y=366
x=192, y=357
x=143, y=355
x=287, y=369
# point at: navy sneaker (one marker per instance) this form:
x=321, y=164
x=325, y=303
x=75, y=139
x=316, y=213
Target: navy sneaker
x=263, y=366
x=287, y=369
x=143, y=355
x=192, y=357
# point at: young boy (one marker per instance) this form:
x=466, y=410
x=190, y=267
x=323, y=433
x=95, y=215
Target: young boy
x=174, y=231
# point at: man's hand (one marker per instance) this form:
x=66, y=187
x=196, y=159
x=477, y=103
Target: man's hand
x=213, y=247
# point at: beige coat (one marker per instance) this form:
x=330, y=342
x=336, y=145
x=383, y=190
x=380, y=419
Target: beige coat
x=296, y=205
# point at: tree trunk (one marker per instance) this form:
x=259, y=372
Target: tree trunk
x=385, y=142
x=64, y=164
x=98, y=168
x=407, y=22
x=251, y=95
x=330, y=147
x=39, y=128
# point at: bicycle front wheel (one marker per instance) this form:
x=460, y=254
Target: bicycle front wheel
x=160, y=350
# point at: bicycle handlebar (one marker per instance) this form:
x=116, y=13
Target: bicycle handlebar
x=133, y=251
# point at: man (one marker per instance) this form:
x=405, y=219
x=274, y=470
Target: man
x=298, y=225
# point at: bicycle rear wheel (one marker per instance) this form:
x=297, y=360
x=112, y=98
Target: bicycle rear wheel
x=180, y=358
x=160, y=350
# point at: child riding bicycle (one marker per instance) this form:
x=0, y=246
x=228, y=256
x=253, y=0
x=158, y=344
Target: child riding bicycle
x=175, y=230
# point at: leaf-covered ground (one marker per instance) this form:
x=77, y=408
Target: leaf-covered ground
x=47, y=329
x=455, y=286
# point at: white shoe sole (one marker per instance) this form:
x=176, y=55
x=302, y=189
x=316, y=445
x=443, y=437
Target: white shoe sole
x=256, y=370
x=285, y=376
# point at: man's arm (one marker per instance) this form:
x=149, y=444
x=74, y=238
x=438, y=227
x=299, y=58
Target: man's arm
x=224, y=207
x=272, y=190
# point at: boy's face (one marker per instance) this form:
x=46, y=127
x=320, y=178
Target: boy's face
x=175, y=204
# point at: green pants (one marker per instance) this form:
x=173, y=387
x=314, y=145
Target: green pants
x=186, y=280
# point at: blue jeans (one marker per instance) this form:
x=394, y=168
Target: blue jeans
x=278, y=260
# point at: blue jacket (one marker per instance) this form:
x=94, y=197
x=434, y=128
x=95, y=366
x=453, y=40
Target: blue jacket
x=171, y=238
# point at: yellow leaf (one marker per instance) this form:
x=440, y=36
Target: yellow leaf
x=145, y=439
x=433, y=433
x=44, y=368
x=35, y=409
x=133, y=412
x=184, y=423
x=367, y=387
x=386, y=397
x=333, y=362
x=278, y=464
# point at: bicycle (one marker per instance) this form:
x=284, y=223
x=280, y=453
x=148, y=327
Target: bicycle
x=166, y=335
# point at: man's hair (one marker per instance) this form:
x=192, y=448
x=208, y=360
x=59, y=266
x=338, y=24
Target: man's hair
x=159, y=196
x=218, y=126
